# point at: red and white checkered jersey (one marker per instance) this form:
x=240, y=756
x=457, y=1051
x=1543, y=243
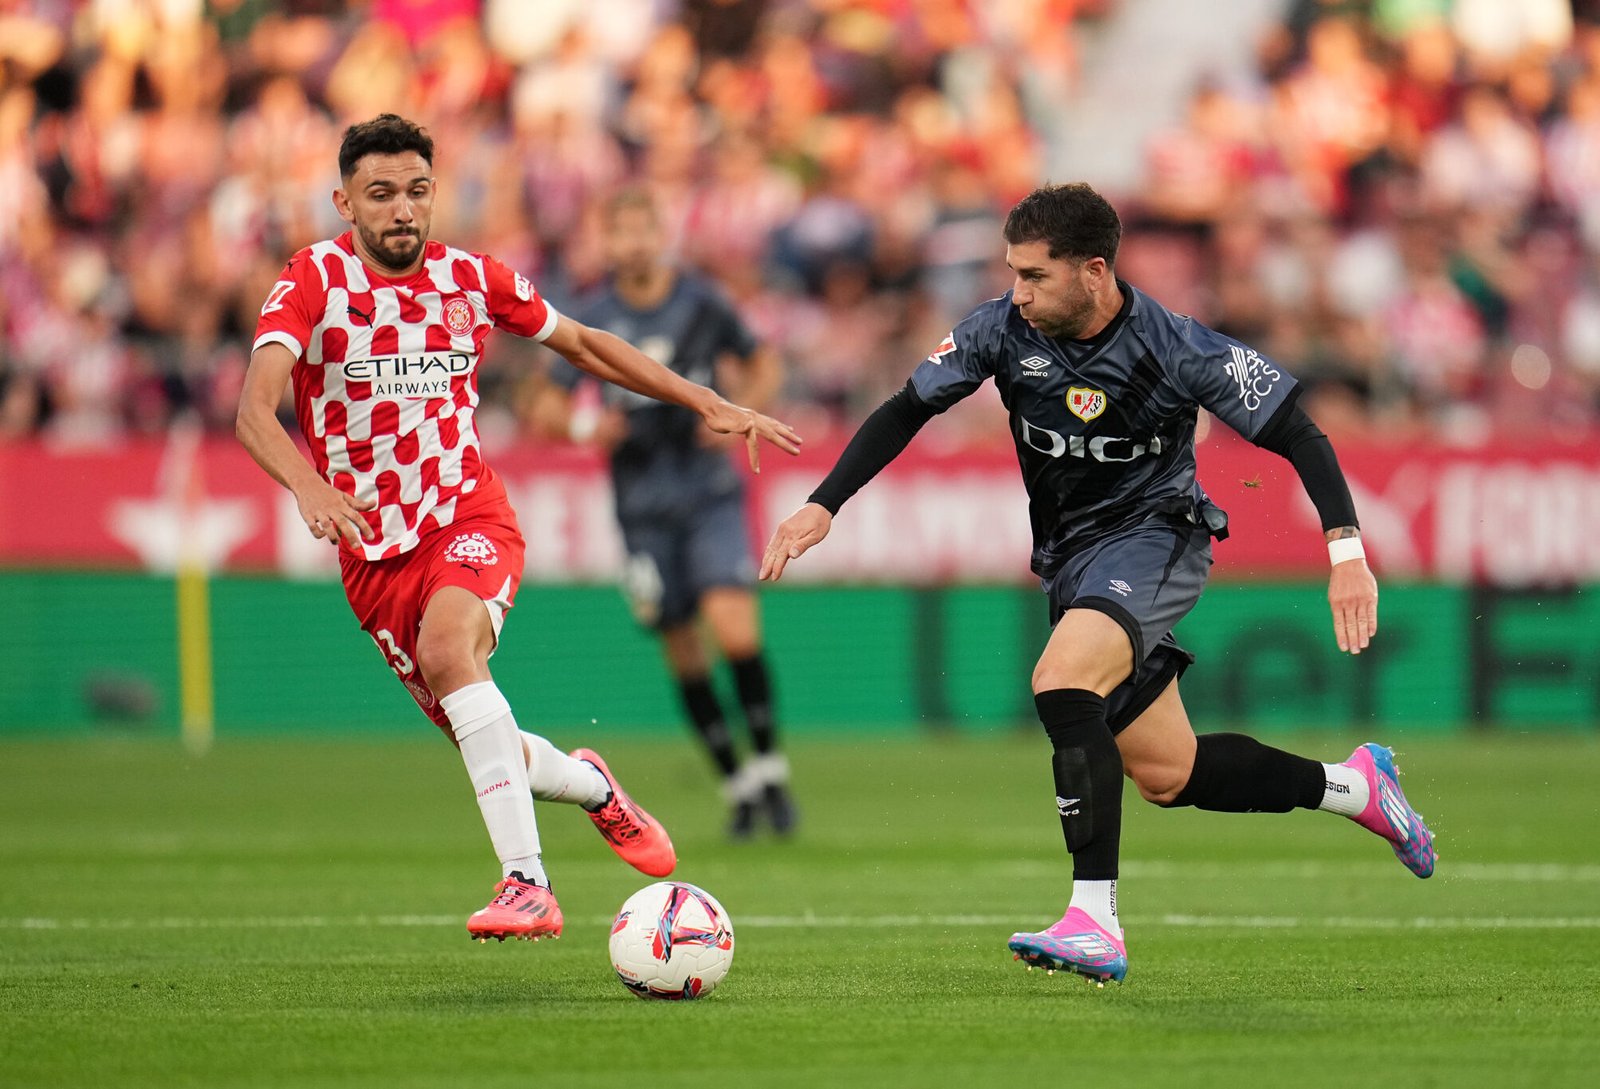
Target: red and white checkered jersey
x=386, y=375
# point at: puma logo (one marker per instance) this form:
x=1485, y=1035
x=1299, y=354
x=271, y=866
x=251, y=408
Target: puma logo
x=357, y=312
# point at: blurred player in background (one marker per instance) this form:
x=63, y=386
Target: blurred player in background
x=1103, y=385
x=381, y=331
x=680, y=503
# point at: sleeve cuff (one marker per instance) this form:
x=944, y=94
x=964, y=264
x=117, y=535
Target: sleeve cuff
x=279, y=337
x=549, y=326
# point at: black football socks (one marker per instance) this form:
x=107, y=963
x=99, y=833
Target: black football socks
x=705, y=714
x=754, y=685
x=1088, y=778
x=1234, y=773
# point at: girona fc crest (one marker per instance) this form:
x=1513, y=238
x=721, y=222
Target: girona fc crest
x=458, y=317
x=1086, y=403
x=472, y=548
x=420, y=693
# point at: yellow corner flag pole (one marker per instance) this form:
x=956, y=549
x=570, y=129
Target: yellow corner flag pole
x=187, y=484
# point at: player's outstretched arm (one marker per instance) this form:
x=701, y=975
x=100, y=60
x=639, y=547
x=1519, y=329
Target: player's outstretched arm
x=796, y=533
x=615, y=360
x=1352, y=591
x=328, y=512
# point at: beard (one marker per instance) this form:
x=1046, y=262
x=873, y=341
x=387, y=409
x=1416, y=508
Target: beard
x=1075, y=316
x=393, y=249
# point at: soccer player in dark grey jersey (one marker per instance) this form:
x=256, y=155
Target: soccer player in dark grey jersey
x=680, y=504
x=1103, y=385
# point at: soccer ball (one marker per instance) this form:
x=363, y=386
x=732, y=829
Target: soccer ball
x=671, y=941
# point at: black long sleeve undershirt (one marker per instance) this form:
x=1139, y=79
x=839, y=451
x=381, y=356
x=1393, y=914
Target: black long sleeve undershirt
x=1291, y=434
x=881, y=437
x=891, y=427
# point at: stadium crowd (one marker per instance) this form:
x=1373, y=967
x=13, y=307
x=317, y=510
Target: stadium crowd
x=1401, y=202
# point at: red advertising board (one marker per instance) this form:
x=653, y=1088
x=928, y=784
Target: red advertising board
x=1510, y=514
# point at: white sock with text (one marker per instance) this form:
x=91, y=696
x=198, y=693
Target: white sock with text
x=1098, y=899
x=491, y=748
x=1345, y=791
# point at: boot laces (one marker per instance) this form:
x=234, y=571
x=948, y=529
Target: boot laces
x=617, y=822
x=510, y=892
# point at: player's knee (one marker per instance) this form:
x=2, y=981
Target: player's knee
x=442, y=656
x=1054, y=675
x=739, y=649
x=1046, y=678
x=1159, y=784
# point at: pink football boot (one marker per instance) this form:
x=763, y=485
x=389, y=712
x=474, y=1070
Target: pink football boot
x=1075, y=944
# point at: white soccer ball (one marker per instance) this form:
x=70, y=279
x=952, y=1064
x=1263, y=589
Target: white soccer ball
x=671, y=941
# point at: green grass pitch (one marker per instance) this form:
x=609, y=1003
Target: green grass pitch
x=290, y=913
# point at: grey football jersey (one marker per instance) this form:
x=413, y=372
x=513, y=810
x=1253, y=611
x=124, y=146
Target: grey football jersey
x=1104, y=429
x=663, y=465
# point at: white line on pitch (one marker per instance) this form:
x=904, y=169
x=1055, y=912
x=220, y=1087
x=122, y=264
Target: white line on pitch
x=826, y=922
x=1543, y=872
x=1448, y=871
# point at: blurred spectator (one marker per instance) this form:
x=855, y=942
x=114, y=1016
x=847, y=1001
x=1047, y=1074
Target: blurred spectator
x=1195, y=171
x=1487, y=158
x=1401, y=203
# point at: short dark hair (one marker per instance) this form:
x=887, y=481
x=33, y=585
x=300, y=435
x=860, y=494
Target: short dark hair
x=386, y=134
x=1077, y=222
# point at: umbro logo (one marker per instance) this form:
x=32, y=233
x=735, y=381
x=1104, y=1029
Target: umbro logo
x=1035, y=366
x=1121, y=587
x=1068, y=807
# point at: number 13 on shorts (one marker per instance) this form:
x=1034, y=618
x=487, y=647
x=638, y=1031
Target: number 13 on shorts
x=398, y=660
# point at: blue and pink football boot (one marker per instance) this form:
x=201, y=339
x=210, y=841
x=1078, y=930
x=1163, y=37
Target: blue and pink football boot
x=1388, y=814
x=1075, y=944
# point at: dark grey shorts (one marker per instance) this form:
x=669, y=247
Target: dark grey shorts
x=673, y=560
x=1146, y=579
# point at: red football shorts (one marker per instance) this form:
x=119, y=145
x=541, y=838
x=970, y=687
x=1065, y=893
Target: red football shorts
x=481, y=553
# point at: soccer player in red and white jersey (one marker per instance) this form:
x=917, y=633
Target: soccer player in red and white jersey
x=381, y=332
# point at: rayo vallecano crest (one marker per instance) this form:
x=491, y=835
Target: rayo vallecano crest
x=1086, y=403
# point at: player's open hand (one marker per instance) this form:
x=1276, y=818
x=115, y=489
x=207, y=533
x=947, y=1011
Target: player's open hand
x=331, y=514
x=727, y=418
x=796, y=533
x=1353, y=594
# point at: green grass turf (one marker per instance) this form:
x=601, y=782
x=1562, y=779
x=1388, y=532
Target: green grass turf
x=289, y=913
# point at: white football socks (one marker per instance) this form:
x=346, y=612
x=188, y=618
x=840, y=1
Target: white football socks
x=1098, y=899
x=1345, y=790
x=491, y=747
x=556, y=777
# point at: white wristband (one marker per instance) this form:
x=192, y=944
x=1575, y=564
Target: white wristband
x=1346, y=548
